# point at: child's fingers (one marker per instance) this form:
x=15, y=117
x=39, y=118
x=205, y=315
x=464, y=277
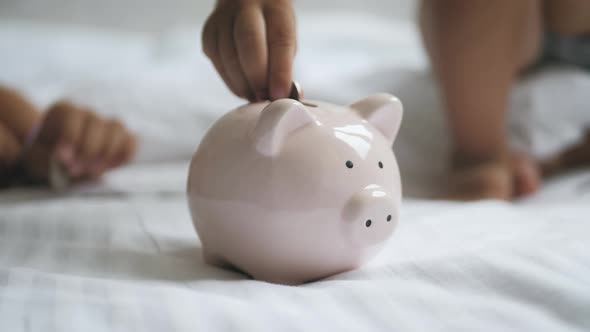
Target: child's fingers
x=230, y=60
x=59, y=115
x=124, y=152
x=281, y=35
x=211, y=49
x=250, y=40
x=128, y=150
x=131, y=147
x=92, y=141
x=119, y=147
x=59, y=135
x=116, y=140
x=10, y=149
x=209, y=37
x=73, y=123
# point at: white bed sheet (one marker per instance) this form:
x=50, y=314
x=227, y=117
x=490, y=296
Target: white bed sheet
x=121, y=255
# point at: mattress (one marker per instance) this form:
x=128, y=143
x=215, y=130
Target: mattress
x=122, y=255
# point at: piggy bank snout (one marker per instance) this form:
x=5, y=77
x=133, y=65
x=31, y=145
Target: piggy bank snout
x=370, y=215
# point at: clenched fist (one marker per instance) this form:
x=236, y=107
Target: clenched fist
x=85, y=144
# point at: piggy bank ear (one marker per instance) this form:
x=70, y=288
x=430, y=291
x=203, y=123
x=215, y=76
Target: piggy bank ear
x=277, y=121
x=383, y=111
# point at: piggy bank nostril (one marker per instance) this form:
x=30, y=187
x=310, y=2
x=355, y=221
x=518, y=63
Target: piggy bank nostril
x=389, y=217
x=368, y=223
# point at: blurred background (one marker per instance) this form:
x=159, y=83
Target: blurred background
x=141, y=61
x=158, y=15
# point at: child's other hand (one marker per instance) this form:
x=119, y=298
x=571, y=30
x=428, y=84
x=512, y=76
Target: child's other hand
x=85, y=144
x=252, y=44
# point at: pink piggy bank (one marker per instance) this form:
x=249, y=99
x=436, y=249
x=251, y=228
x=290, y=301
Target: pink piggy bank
x=291, y=192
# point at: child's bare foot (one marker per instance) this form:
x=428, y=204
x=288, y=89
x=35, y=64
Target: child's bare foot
x=504, y=178
x=83, y=143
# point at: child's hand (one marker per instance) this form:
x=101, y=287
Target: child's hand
x=82, y=142
x=10, y=152
x=252, y=44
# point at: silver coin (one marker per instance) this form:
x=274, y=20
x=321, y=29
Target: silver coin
x=296, y=91
x=58, y=177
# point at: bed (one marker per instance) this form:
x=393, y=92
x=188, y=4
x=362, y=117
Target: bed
x=122, y=254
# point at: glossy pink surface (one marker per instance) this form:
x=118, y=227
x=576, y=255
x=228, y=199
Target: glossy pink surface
x=290, y=193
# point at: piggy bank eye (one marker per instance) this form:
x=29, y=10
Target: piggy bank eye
x=380, y=165
x=349, y=164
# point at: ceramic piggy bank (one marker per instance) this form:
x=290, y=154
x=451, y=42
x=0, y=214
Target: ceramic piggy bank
x=290, y=192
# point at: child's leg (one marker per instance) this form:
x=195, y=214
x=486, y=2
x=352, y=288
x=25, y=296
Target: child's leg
x=567, y=17
x=478, y=48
